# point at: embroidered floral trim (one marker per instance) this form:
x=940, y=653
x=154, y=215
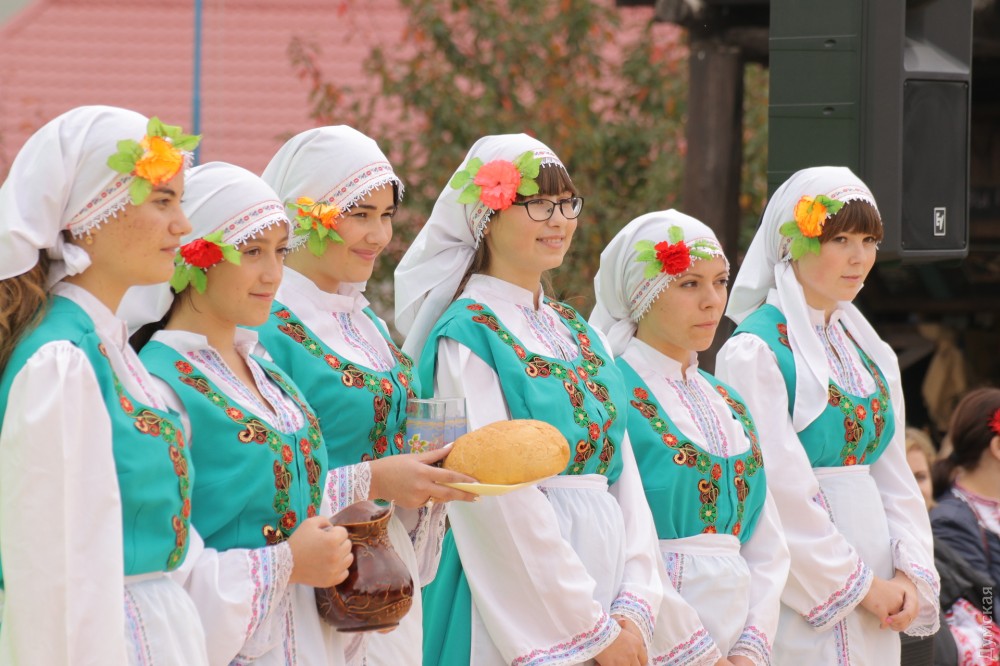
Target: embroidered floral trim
x=150, y=423
x=843, y=601
x=753, y=644
x=674, y=564
x=256, y=431
x=636, y=609
x=353, y=337
x=580, y=648
x=353, y=376
x=427, y=537
x=810, y=215
x=347, y=485
x=585, y=373
x=744, y=465
x=843, y=371
x=316, y=221
x=699, y=649
x=928, y=585
x=363, y=182
x=855, y=415
x=154, y=160
x=138, y=635
x=545, y=331
x=253, y=221
x=192, y=261
x=269, y=569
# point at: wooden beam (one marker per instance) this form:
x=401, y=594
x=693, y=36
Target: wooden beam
x=714, y=132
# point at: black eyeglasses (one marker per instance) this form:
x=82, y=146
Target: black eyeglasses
x=541, y=210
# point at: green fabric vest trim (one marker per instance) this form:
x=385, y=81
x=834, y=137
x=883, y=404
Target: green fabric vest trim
x=357, y=399
x=691, y=491
x=152, y=461
x=864, y=424
x=255, y=484
x=447, y=604
x=578, y=397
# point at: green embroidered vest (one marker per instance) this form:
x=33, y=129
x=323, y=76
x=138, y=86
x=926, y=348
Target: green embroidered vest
x=151, y=457
x=255, y=484
x=852, y=429
x=691, y=491
x=362, y=411
x=579, y=397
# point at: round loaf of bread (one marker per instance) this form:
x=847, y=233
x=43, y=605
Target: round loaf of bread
x=509, y=452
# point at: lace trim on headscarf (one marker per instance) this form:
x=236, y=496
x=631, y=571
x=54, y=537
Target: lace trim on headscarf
x=254, y=221
x=109, y=202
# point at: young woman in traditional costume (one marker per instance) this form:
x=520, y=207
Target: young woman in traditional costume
x=967, y=520
x=255, y=442
x=94, y=468
x=661, y=292
x=342, y=193
x=825, y=392
x=567, y=571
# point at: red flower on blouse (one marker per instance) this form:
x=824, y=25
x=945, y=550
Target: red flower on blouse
x=184, y=367
x=676, y=258
x=499, y=181
x=201, y=253
x=640, y=393
x=287, y=454
x=289, y=520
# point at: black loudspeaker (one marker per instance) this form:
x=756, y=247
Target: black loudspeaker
x=882, y=87
x=935, y=151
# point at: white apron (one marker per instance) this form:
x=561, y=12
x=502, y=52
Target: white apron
x=855, y=507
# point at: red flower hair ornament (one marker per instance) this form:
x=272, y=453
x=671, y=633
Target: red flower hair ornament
x=194, y=259
x=498, y=183
x=995, y=422
x=672, y=256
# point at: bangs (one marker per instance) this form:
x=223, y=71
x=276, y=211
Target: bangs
x=856, y=217
x=553, y=180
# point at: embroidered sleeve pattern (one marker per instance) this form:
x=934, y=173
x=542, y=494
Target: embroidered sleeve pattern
x=270, y=567
x=427, y=536
x=839, y=604
x=579, y=648
x=699, y=650
x=928, y=587
x=347, y=485
x=753, y=645
x=636, y=609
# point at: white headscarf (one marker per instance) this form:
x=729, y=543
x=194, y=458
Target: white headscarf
x=623, y=293
x=61, y=181
x=335, y=164
x=768, y=266
x=433, y=266
x=217, y=197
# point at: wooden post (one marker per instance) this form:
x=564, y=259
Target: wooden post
x=715, y=150
x=715, y=138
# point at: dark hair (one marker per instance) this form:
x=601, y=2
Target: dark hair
x=553, y=180
x=855, y=216
x=145, y=333
x=970, y=432
x=22, y=304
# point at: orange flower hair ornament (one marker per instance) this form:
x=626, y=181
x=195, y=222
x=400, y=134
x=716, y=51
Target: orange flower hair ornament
x=154, y=160
x=498, y=183
x=318, y=221
x=192, y=261
x=672, y=256
x=810, y=216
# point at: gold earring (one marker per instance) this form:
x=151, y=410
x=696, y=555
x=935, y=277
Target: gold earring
x=88, y=239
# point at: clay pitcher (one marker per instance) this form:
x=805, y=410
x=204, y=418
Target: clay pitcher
x=378, y=591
